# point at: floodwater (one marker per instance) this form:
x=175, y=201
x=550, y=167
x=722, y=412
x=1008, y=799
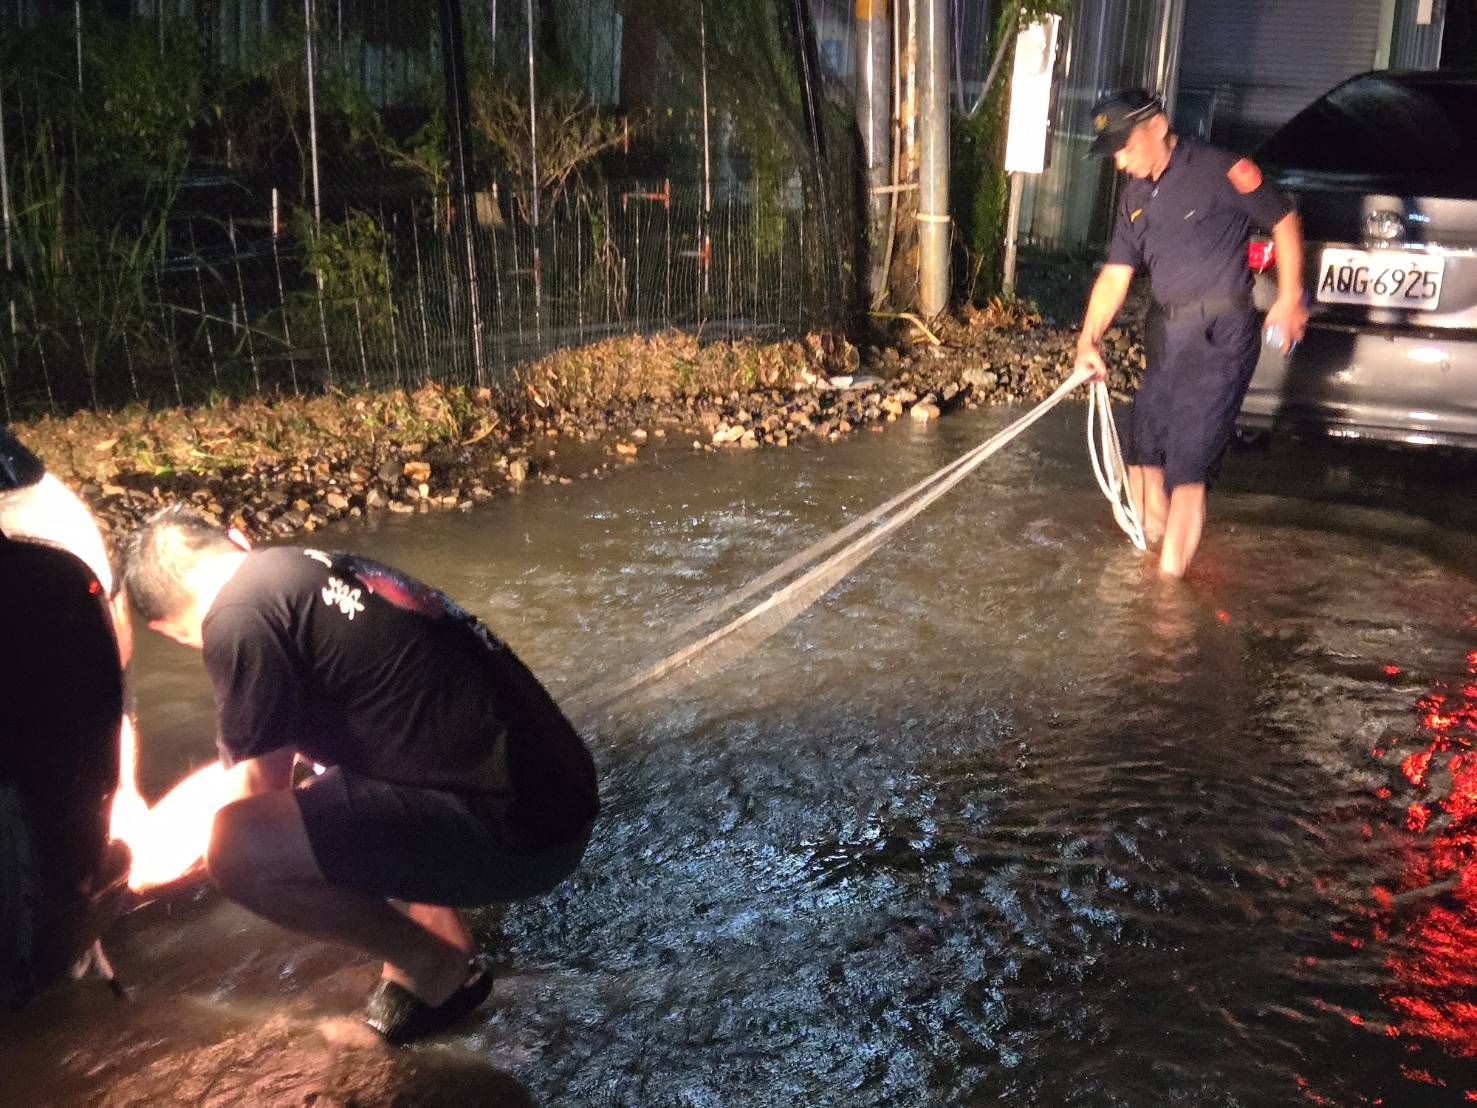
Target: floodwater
x=1002, y=818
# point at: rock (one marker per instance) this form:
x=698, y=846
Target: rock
x=419, y=472
x=337, y=501
x=982, y=380
x=517, y=471
x=401, y=507
x=924, y=411
x=389, y=472
x=639, y=435
x=748, y=440
x=893, y=406
x=628, y=449
x=374, y=499
x=951, y=390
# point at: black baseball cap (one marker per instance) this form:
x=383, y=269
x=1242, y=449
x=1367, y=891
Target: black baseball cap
x=1118, y=113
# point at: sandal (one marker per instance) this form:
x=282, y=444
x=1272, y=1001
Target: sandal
x=401, y=1017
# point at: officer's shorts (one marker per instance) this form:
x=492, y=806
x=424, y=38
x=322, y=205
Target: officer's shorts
x=425, y=846
x=1185, y=410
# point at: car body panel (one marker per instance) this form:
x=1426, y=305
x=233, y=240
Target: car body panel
x=1382, y=372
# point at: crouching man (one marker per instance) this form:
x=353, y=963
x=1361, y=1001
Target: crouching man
x=453, y=779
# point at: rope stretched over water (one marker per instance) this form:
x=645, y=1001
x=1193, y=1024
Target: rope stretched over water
x=866, y=534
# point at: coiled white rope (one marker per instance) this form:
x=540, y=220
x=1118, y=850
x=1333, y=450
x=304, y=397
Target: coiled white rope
x=870, y=530
x=1108, y=466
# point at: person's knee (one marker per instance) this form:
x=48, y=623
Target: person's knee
x=232, y=857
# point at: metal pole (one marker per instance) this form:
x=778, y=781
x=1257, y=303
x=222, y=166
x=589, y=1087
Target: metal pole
x=5, y=185
x=533, y=170
x=1171, y=45
x=874, y=120
x=704, y=246
x=77, y=27
x=1012, y=231
x=312, y=114
x=933, y=173
x=458, y=112
x=9, y=255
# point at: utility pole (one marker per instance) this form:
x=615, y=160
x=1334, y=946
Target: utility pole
x=874, y=121
x=933, y=173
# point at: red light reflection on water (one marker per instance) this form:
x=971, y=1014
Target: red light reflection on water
x=1434, y=965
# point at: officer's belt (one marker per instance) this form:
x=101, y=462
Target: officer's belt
x=1208, y=308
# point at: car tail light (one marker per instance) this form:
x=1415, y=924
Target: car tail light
x=1260, y=253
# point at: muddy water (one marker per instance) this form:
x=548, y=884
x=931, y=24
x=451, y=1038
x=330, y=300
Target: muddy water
x=1001, y=819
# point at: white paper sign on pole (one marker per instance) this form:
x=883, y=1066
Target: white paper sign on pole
x=1030, y=96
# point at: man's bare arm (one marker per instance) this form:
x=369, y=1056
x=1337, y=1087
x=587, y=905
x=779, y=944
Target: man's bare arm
x=1288, y=314
x=1108, y=293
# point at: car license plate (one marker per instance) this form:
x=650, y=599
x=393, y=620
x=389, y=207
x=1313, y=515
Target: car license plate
x=1380, y=278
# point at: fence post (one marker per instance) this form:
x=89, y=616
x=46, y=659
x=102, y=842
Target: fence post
x=458, y=111
x=538, y=286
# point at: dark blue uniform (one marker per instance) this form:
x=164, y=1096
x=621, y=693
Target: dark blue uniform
x=1191, y=228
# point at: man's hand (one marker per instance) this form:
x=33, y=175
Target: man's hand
x=1090, y=360
x=1288, y=315
x=1289, y=318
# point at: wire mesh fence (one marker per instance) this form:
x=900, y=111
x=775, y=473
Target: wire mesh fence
x=268, y=196
x=406, y=296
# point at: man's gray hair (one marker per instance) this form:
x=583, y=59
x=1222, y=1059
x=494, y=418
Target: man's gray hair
x=161, y=553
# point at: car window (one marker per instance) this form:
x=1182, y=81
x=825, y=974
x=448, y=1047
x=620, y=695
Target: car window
x=1418, y=125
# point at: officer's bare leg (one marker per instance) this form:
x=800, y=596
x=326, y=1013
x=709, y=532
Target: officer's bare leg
x=1182, y=529
x=447, y=924
x=260, y=857
x=1146, y=490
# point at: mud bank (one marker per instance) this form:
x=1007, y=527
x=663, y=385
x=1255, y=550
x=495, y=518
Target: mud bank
x=276, y=467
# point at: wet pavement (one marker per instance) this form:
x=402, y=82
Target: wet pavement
x=1001, y=818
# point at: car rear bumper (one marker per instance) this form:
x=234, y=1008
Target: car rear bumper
x=1413, y=387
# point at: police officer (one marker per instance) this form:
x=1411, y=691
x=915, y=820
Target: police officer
x=1186, y=212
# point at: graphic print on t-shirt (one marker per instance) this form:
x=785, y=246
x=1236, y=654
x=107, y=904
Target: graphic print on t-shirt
x=339, y=594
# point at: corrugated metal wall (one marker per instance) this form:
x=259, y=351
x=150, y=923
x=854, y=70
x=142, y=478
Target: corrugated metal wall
x=1109, y=44
x=1417, y=45
x=1265, y=60
x=1234, y=70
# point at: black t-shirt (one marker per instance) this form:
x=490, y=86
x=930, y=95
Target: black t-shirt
x=1192, y=225
x=355, y=664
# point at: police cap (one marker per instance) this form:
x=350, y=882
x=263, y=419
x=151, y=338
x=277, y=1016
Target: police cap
x=1118, y=113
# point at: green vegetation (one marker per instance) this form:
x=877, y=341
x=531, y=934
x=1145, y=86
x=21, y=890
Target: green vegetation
x=979, y=187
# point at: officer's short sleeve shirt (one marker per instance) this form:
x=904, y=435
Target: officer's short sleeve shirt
x=1190, y=228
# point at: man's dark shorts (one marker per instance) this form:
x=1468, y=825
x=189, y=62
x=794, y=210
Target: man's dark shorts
x=1185, y=410
x=425, y=846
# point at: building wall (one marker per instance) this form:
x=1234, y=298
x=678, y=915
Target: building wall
x=1248, y=66
x=1264, y=60
x=1232, y=71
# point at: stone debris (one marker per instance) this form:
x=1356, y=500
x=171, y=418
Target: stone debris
x=821, y=388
